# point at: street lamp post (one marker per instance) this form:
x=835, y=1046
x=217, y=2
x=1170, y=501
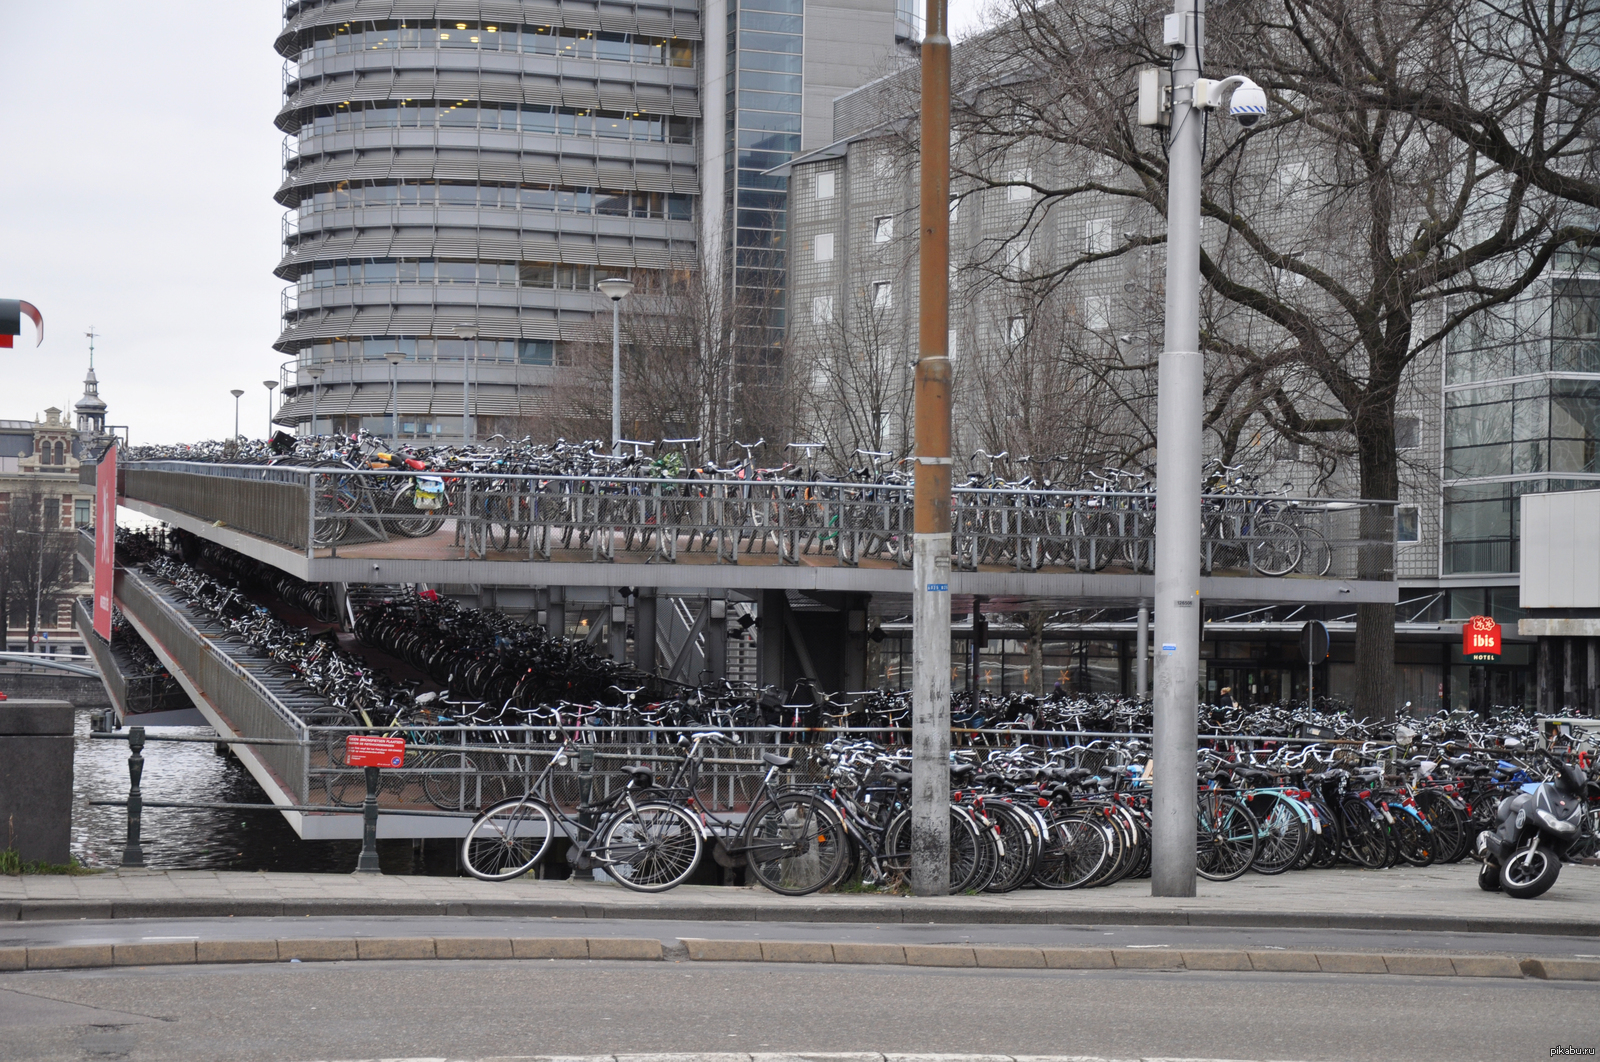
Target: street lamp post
x=270, y=385
x=394, y=358
x=1179, y=421
x=468, y=332
x=236, y=393
x=616, y=289
x=315, y=372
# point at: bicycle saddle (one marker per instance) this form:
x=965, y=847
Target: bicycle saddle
x=961, y=770
x=772, y=759
x=641, y=775
x=898, y=777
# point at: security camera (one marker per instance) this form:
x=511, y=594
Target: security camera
x=1249, y=103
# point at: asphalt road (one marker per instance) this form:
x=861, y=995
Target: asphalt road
x=125, y=931
x=475, y=1010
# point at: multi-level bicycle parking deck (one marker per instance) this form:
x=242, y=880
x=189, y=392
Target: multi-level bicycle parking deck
x=346, y=525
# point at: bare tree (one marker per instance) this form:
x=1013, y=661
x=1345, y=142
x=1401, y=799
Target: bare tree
x=853, y=362
x=1341, y=240
x=689, y=369
x=37, y=558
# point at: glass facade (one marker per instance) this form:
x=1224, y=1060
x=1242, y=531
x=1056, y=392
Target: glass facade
x=765, y=88
x=1522, y=414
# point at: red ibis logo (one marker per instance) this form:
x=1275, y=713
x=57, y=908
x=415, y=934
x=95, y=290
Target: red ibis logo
x=1480, y=639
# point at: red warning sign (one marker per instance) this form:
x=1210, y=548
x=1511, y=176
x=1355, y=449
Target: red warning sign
x=366, y=750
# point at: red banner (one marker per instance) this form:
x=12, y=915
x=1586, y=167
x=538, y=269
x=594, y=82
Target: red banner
x=366, y=750
x=105, y=539
x=1480, y=639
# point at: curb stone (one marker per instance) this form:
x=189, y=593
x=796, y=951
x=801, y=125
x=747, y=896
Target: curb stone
x=375, y=949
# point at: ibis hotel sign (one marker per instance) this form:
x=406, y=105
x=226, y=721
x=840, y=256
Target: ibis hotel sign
x=1480, y=640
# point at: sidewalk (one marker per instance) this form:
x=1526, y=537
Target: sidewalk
x=1436, y=898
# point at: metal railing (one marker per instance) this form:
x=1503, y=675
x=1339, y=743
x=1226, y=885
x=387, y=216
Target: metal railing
x=252, y=710
x=516, y=517
x=131, y=693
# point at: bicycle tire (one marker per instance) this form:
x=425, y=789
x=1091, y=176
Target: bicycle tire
x=1227, y=838
x=508, y=839
x=1449, y=825
x=1316, y=556
x=1022, y=848
x=1364, y=837
x=794, y=844
x=650, y=847
x=964, y=842
x=1275, y=549
x=1413, y=840
x=1284, y=834
x=1073, y=854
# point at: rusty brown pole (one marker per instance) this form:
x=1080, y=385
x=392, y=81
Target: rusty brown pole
x=930, y=681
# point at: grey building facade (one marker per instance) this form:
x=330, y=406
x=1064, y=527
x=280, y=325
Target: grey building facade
x=459, y=176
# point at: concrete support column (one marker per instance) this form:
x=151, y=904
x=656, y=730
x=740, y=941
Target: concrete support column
x=853, y=664
x=1569, y=676
x=644, y=631
x=556, y=612
x=1546, y=675
x=1592, y=674
x=769, y=637
x=717, y=637
x=617, y=627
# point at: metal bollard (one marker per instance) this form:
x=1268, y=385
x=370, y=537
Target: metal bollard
x=585, y=813
x=368, y=863
x=133, y=853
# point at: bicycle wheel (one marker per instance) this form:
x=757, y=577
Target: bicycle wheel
x=1227, y=838
x=507, y=839
x=965, y=856
x=1316, y=556
x=1022, y=848
x=1284, y=834
x=1449, y=826
x=650, y=847
x=1072, y=854
x=794, y=844
x=1366, y=839
x=1414, y=842
x=1275, y=548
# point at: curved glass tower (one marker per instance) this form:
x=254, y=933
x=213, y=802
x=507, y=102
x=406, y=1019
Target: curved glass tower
x=458, y=183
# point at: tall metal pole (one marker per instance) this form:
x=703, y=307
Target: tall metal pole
x=236, y=393
x=1179, y=415
x=930, y=669
x=616, y=377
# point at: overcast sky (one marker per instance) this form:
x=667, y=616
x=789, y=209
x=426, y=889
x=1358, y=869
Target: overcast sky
x=137, y=179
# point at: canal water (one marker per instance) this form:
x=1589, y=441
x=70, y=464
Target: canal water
x=206, y=838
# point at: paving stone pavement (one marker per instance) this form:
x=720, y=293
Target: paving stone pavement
x=1441, y=897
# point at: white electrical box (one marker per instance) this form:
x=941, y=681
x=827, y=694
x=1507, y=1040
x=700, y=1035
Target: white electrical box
x=1155, y=96
x=1172, y=31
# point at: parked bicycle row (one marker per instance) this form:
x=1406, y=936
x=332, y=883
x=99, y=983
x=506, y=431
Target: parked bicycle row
x=1019, y=817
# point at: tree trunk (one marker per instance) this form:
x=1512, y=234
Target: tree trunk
x=1380, y=480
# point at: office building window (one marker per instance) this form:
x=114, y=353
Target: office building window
x=1018, y=191
x=822, y=309
x=1408, y=524
x=1016, y=331
x=80, y=512
x=823, y=247
x=882, y=294
x=1407, y=433
x=883, y=229
x=824, y=186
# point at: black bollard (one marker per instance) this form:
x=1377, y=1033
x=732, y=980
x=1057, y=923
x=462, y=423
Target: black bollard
x=133, y=853
x=368, y=863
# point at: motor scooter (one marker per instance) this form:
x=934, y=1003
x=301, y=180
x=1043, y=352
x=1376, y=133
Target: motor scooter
x=1534, y=830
